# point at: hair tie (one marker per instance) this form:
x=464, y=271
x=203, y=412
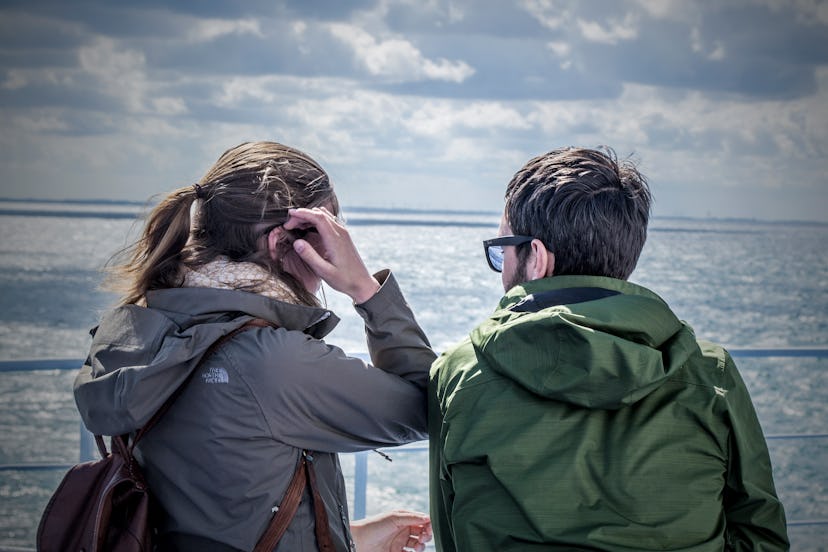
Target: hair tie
x=195, y=212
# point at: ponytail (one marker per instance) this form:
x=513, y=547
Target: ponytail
x=154, y=261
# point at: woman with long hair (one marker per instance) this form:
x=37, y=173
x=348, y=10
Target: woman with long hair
x=247, y=247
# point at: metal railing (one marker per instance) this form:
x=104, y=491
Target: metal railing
x=88, y=449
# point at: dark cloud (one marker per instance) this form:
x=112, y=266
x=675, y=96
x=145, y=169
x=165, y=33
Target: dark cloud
x=674, y=65
x=510, y=68
x=277, y=52
x=750, y=51
x=52, y=95
x=327, y=10
x=37, y=58
x=763, y=34
x=105, y=9
x=23, y=30
x=491, y=19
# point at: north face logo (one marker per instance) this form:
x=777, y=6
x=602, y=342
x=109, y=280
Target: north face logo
x=215, y=375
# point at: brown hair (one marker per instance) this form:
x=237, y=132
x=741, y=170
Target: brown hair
x=250, y=188
x=588, y=208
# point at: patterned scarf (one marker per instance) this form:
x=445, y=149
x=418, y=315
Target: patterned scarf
x=223, y=273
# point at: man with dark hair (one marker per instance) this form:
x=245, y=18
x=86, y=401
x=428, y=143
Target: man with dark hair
x=583, y=414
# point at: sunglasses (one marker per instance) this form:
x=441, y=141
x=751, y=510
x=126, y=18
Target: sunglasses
x=494, y=249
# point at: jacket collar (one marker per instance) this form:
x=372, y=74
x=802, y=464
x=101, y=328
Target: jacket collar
x=553, y=283
x=190, y=306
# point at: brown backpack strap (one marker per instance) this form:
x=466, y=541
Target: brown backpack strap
x=303, y=475
x=287, y=509
x=323, y=529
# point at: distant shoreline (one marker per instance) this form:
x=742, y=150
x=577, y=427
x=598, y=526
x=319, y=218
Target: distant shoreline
x=136, y=209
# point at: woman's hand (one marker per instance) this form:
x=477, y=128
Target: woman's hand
x=336, y=259
x=396, y=531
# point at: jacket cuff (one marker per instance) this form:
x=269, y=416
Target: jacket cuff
x=389, y=294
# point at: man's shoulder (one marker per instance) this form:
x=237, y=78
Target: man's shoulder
x=711, y=366
x=459, y=368
x=457, y=358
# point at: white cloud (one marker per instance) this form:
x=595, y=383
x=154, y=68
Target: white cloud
x=236, y=91
x=44, y=121
x=716, y=53
x=549, y=13
x=122, y=74
x=733, y=143
x=557, y=16
x=455, y=13
x=440, y=118
x=360, y=108
x=14, y=79
x=614, y=32
x=397, y=59
x=671, y=10
x=169, y=106
x=206, y=30
x=807, y=11
x=562, y=50
x=463, y=150
x=276, y=90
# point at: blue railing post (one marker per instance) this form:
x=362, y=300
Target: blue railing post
x=87, y=445
x=360, y=483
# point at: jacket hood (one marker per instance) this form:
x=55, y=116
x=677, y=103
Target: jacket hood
x=604, y=352
x=140, y=355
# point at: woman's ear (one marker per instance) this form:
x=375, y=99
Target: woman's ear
x=273, y=239
x=541, y=261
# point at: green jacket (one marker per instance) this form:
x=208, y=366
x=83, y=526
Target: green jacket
x=596, y=425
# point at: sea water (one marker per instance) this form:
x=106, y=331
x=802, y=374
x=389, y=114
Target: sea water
x=740, y=283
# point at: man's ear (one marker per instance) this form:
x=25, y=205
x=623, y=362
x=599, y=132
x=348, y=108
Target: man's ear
x=541, y=262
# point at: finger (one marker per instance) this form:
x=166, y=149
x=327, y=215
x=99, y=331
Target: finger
x=315, y=215
x=311, y=257
x=402, y=519
x=326, y=225
x=325, y=210
x=297, y=218
x=414, y=544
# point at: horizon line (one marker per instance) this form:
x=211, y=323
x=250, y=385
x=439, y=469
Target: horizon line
x=354, y=209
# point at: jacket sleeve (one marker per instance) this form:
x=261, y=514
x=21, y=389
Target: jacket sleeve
x=396, y=342
x=314, y=396
x=755, y=516
x=440, y=489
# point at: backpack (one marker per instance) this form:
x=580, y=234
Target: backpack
x=105, y=506
x=102, y=505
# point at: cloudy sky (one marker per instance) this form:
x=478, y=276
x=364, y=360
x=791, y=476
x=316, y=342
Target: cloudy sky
x=421, y=103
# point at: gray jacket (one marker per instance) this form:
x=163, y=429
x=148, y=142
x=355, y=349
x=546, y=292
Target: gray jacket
x=222, y=456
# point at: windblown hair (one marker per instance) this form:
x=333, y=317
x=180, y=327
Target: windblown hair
x=250, y=188
x=587, y=208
